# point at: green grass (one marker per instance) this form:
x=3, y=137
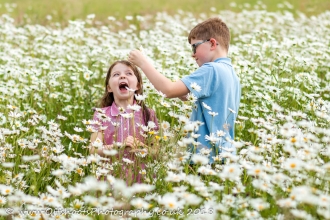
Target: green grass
x=63, y=10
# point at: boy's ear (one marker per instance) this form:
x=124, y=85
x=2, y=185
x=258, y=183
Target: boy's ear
x=214, y=43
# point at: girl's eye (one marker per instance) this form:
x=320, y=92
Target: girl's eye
x=129, y=73
x=115, y=74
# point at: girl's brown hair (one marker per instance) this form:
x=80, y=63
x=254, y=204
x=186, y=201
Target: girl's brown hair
x=108, y=98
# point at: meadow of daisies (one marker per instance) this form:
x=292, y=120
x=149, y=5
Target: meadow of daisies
x=52, y=76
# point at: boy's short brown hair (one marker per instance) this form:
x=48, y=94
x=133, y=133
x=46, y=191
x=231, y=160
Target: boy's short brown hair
x=211, y=28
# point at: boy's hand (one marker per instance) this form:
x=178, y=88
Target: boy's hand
x=137, y=58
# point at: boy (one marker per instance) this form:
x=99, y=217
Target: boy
x=214, y=83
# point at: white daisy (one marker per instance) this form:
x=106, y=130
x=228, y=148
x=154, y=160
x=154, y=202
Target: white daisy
x=134, y=107
x=140, y=97
x=206, y=106
x=195, y=86
x=129, y=89
x=213, y=114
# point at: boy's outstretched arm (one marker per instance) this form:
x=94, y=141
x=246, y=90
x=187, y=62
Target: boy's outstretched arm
x=160, y=82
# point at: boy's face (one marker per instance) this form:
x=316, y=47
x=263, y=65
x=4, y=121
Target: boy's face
x=202, y=51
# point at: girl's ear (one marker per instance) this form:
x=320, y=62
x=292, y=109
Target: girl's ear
x=109, y=89
x=138, y=86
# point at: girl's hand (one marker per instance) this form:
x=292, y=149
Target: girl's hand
x=107, y=147
x=132, y=142
x=137, y=58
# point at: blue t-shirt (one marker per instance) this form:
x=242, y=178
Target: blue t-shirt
x=220, y=91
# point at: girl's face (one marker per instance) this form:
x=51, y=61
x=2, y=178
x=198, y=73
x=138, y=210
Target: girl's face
x=121, y=77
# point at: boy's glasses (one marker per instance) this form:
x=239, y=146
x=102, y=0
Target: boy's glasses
x=195, y=45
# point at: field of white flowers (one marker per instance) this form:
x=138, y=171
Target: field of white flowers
x=52, y=76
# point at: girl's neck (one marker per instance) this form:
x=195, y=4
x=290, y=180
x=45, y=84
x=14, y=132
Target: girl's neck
x=124, y=102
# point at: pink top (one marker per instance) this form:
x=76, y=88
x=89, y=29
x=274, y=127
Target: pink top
x=119, y=127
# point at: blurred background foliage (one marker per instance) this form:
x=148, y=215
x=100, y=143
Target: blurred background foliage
x=42, y=11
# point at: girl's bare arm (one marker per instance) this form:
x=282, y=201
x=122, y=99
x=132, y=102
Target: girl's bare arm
x=99, y=151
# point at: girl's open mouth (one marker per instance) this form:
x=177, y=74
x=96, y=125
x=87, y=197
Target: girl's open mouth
x=122, y=86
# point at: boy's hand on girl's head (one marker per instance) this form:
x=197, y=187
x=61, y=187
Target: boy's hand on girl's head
x=137, y=58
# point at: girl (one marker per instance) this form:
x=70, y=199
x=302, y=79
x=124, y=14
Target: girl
x=123, y=122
